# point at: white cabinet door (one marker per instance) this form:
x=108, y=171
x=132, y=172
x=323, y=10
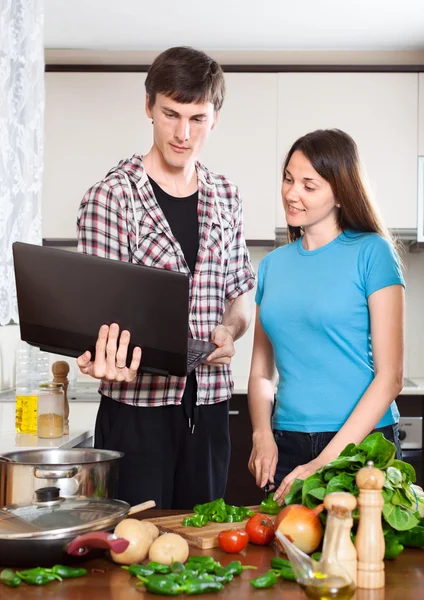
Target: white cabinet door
x=92, y=120
x=379, y=110
x=243, y=147
x=421, y=115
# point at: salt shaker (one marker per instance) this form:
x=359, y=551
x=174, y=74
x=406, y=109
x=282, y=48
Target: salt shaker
x=60, y=370
x=369, y=542
x=346, y=551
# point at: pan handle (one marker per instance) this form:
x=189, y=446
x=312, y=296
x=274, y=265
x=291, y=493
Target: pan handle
x=96, y=539
x=47, y=473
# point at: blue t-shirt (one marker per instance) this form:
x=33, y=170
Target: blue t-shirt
x=314, y=310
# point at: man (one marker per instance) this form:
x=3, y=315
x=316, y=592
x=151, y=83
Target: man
x=167, y=210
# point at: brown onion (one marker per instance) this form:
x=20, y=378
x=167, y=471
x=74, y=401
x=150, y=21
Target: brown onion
x=301, y=525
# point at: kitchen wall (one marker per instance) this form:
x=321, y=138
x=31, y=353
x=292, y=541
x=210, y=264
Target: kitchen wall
x=414, y=334
x=414, y=263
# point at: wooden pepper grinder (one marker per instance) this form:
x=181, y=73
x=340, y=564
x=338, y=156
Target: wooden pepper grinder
x=60, y=370
x=369, y=542
x=346, y=552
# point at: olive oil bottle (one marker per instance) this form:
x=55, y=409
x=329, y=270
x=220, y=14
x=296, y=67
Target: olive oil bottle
x=32, y=367
x=329, y=588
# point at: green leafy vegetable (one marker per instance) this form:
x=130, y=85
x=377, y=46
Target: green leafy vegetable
x=401, y=501
x=217, y=512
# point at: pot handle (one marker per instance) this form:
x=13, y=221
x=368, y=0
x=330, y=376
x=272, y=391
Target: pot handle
x=47, y=473
x=96, y=539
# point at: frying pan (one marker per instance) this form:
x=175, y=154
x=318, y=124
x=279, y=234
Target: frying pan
x=54, y=530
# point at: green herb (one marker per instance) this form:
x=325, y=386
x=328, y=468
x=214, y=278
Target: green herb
x=400, y=501
x=217, y=511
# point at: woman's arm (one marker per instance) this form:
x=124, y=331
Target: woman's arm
x=386, y=307
x=262, y=379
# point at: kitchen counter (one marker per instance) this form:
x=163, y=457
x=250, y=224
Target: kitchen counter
x=107, y=581
x=11, y=442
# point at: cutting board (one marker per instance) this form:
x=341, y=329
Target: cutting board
x=201, y=537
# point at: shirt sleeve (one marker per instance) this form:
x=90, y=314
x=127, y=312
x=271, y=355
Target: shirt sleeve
x=101, y=227
x=240, y=274
x=381, y=265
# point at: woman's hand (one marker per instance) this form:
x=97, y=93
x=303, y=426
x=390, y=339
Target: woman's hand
x=300, y=472
x=263, y=458
x=110, y=361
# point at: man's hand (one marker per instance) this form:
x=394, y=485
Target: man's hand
x=110, y=361
x=221, y=336
x=300, y=472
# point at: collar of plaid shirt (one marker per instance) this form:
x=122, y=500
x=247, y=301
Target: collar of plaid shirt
x=223, y=271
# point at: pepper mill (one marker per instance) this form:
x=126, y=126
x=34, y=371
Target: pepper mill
x=369, y=542
x=341, y=504
x=60, y=370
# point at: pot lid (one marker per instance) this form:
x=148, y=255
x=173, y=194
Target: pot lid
x=53, y=517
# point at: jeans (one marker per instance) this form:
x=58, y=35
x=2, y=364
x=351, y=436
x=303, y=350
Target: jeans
x=297, y=448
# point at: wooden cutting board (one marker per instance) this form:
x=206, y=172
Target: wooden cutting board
x=201, y=537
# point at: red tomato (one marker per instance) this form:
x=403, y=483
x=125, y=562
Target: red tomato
x=260, y=529
x=233, y=540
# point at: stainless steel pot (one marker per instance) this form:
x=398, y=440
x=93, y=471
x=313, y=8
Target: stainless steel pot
x=79, y=472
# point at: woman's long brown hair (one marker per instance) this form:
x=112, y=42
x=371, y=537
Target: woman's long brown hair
x=334, y=155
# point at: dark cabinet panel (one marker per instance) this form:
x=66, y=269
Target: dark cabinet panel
x=241, y=486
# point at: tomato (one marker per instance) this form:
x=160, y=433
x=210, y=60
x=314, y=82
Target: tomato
x=233, y=540
x=260, y=529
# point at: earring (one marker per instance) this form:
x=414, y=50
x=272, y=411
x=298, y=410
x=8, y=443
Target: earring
x=338, y=205
x=152, y=121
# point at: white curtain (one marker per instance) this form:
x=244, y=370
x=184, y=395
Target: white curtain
x=21, y=136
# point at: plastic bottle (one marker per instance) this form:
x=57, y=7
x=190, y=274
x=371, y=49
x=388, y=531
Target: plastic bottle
x=32, y=367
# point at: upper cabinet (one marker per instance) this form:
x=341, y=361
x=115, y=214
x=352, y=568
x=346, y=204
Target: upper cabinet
x=243, y=147
x=379, y=110
x=421, y=115
x=92, y=120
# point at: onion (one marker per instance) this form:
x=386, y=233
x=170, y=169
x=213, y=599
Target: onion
x=301, y=525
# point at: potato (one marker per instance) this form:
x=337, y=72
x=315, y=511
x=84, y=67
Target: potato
x=168, y=548
x=151, y=529
x=139, y=537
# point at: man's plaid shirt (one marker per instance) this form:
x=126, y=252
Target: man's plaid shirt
x=106, y=228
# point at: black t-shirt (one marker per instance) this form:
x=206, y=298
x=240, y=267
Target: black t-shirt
x=181, y=214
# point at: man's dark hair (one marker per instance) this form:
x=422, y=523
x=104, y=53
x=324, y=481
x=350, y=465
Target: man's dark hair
x=186, y=75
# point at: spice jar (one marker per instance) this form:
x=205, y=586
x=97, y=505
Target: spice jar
x=51, y=405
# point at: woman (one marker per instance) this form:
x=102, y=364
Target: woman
x=330, y=312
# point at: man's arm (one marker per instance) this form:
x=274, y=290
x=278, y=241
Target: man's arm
x=235, y=323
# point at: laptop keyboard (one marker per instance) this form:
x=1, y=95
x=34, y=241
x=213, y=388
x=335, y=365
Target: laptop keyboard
x=194, y=358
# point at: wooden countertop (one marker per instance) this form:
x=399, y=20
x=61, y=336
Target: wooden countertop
x=107, y=581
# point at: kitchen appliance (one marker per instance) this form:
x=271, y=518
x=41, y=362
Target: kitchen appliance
x=411, y=442
x=52, y=529
x=77, y=472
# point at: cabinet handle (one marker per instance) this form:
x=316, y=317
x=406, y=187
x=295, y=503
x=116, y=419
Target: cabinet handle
x=233, y=412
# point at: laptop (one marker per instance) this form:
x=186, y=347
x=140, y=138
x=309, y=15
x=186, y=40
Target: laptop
x=64, y=297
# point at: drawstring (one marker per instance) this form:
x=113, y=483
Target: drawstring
x=137, y=231
x=190, y=408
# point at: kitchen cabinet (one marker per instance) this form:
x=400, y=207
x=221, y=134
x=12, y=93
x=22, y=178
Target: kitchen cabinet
x=93, y=120
x=241, y=486
x=243, y=148
x=379, y=110
x=421, y=114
